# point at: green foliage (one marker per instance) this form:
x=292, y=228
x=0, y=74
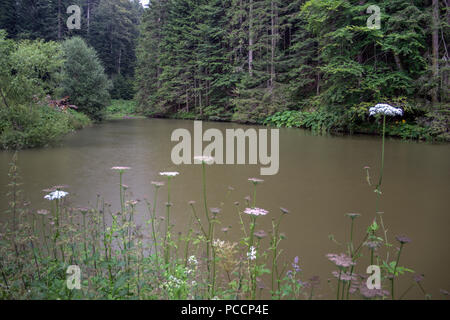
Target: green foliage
x=121, y=108
x=29, y=69
x=84, y=80
x=36, y=126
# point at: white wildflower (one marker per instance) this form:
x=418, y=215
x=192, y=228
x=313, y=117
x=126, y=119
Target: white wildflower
x=205, y=159
x=56, y=195
x=169, y=174
x=218, y=243
x=192, y=260
x=252, y=253
x=385, y=109
x=120, y=168
x=256, y=211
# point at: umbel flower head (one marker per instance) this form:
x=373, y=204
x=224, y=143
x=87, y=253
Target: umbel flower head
x=120, y=168
x=256, y=211
x=385, y=109
x=205, y=159
x=251, y=255
x=255, y=180
x=169, y=174
x=56, y=195
x=341, y=260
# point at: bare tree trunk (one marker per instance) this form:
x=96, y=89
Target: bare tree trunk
x=273, y=43
x=435, y=41
x=398, y=62
x=120, y=58
x=88, y=14
x=59, y=20
x=250, y=39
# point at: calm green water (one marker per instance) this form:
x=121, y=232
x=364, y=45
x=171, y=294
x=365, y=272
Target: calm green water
x=320, y=179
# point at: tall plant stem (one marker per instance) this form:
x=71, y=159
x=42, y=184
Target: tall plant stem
x=395, y=269
x=153, y=218
x=167, y=235
x=208, y=240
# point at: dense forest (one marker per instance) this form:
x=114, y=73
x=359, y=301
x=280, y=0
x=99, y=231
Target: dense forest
x=317, y=64
x=246, y=60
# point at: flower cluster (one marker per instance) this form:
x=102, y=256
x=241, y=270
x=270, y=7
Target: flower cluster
x=192, y=260
x=169, y=174
x=56, y=195
x=120, y=168
x=341, y=260
x=251, y=255
x=256, y=211
x=172, y=283
x=205, y=159
x=385, y=109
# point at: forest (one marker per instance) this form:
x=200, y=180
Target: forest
x=94, y=204
x=310, y=64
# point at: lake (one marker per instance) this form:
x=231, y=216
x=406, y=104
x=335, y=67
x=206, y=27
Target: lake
x=320, y=179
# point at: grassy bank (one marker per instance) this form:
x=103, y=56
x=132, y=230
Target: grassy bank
x=414, y=125
x=122, y=109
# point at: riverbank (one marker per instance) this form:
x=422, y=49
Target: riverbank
x=37, y=126
x=122, y=109
x=414, y=125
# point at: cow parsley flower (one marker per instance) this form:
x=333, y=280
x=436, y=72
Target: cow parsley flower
x=56, y=195
x=385, y=109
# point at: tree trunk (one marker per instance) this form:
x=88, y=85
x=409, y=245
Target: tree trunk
x=273, y=43
x=88, y=14
x=435, y=41
x=59, y=20
x=250, y=39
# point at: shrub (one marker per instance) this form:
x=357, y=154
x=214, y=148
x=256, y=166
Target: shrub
x=84, y=79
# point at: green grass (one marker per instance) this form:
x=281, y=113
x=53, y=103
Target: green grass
x=120, y=109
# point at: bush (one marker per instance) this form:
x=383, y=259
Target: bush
x=27, y=127
x=84, y=79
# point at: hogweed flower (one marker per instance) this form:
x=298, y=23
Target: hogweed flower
x=255, y=180
x=56, y=195
x=169, y=174
x=256, y=211
x=284, y=210
x=353, y=215
x=204, y=159
x=157, y=184
x=251, y=255
x=120, y=168
x=386, y=110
